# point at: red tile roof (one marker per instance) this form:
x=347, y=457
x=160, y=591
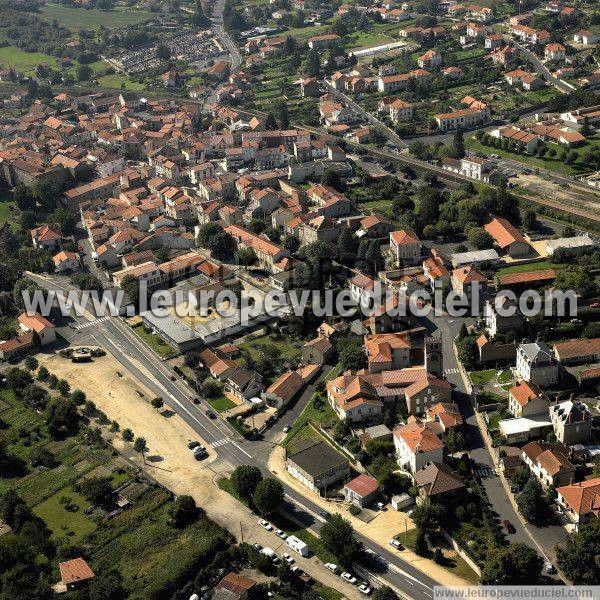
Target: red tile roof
x=74, y=571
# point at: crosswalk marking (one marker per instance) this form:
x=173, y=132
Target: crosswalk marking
x=94, y=322
x=451, y=371
x=220, y=442
x=485, y=472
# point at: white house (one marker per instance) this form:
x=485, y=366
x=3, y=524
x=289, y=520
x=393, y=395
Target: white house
x=40, y=325
x=536, y=364
x=417, y=445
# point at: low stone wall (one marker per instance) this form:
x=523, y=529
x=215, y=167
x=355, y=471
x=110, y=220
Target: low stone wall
x=461, y=552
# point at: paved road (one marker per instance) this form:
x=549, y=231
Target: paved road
x=114, y=335
x=217, y=20
x=392, y=137
x=543, y=70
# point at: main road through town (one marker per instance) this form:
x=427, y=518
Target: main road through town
x=116, y=337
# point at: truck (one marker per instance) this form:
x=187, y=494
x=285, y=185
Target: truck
x=297, y=545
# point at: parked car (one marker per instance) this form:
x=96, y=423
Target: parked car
x=288, y=559
x=265, y=525
x=257, y=547
x=332, y=567
x=348, y=577
x=280, y=534
x=550, y=568
x=172, y=377
x=210, y=414
x=396, y=544
x=296, y=570
x=193, y=444
x=325, y=514
x=286, y=428
x=510, y=528
x=200, y=455
x=199, y=448
x=196, y=400
x=364, y=588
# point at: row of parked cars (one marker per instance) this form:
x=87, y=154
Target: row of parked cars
x=363, y=587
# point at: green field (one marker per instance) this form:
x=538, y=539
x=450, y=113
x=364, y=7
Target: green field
x=550, y=164
x=482, y=377
x=120, y=81
x=6, y=209
x=76, y=18
x=221, y=403
x=321, y=413
x=66, y=524
x=24, y=61
x=155, y=342
x=527, y=268
x=288, y=348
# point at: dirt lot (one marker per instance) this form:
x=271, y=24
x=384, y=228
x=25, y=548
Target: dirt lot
x=169, y=461
x=119, y=397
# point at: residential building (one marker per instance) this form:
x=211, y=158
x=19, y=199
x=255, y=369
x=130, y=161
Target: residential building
x=496, y=318
x=446, y=414
x=354, y=398
x=47, y=237
x=417, y=445
x=400, y=111
x=405, y=247
x=549, y=463
x=578, y=351
x=554, y=51
x=38, y=325
x=387, y=351
x=526, y=400
x=438, y=483
x=75, y=573
x=244, y=384
x=316, y=464
x=233, y=587
x=463, y=118
x=587, y=38
x=508, y=238
x=569, y=245
x=580, y=502
x=66, y=261
x=317, y=351
x=536, y=364
x=361, y=491
x=572, y=422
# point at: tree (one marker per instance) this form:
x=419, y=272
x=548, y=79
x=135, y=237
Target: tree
x=78, y=397
x=222, y=245
x=518, y=564
x=337, y=536
x=529, y=219
x=18, y=379
x=353, y=358
x=34, y=396
x=332, y=179
x=384, y=593
x=533, y=503
x=183, y=511
x=313, y=63
x=162, y=52
x=61, y=417
x=245, y=480
x=291, y=243
x=578, y=556
x=63, y=387
x=97, y=490
x=270, y=122
x=41, y=457
x=268, y=495
x=23, y=197
x=480, y=238
x=84, y=72
x=127, y=434
x=245, y=256
x=43, y=373
x=131, y=286
x=31, y=363
x=157, y=403
x=205, y=233
x=107, y=585
x=140, y=446
x=428, y=516
x=421, y=548
x=192, y=359
x=467, y=352
x=458, y=144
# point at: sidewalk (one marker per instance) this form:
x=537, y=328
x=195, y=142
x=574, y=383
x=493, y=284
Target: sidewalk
x=380, y=530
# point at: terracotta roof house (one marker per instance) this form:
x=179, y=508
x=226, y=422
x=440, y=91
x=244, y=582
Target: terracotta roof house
x=405, y=247
x=527, y=400
x=446, y=414
x=361, y=490
x=438, y=482
x=317, y=351
x=417, y=445
x=16, y=347
x=387, y=351
x=508, y=237
x=578, y=351
x=39, y=325
x=74, y=572
x=580, y=502
x=47, y=237
x=549, y=463
x=233, y=587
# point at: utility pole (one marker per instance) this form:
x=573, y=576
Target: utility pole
x=241, y=533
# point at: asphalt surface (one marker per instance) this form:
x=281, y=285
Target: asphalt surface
x=114, y=335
